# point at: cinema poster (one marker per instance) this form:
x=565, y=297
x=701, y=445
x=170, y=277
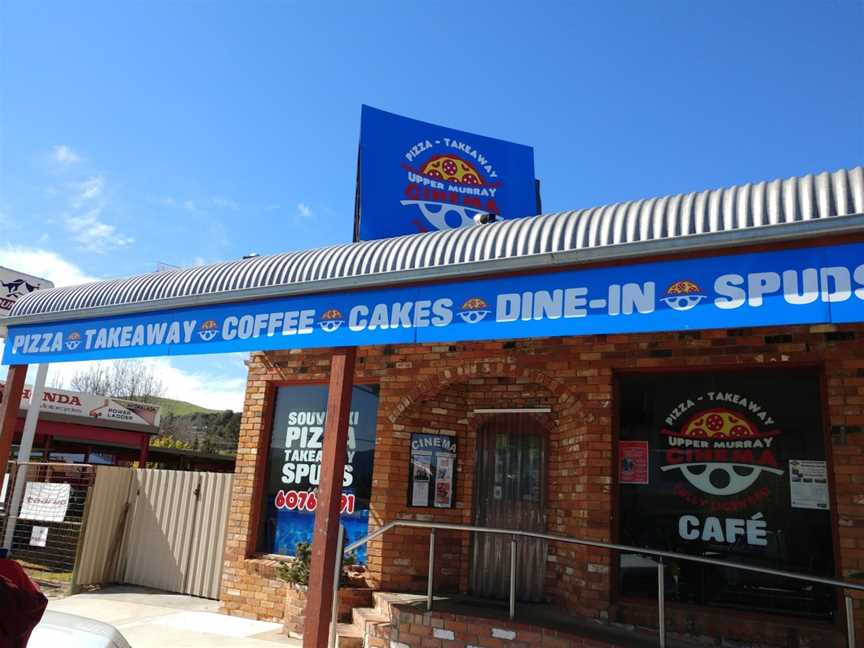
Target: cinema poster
x=294, y=466
x=419, y=177
x=735, y=472
x=432, y=472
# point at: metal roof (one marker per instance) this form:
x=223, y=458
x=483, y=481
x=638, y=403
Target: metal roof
x=798, y=207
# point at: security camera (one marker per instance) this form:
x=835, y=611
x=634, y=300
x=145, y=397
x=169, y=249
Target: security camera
x=484, y=217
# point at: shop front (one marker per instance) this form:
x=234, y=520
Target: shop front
x=738, y=444
x=681, y=375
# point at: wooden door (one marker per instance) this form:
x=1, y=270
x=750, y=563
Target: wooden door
x=510, y=494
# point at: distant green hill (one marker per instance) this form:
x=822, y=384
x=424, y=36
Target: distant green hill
x=180, y=408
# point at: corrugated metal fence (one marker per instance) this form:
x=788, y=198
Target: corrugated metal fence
x=157, y=528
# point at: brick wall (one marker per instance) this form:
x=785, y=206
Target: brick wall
x=435, y=387
x=412, y=629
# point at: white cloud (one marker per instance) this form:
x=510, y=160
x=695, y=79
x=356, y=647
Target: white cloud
x=90, y=189
x=62, y=154
x=219, y=382
x=304, y=210
x=190, y=205
x=225, y=203
x=93, y=234
x=43, y=263
x=84, y=221
x=211, y=389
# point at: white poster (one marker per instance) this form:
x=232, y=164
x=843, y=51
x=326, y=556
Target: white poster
x=422, y=477
x=39, y=536
x=45, y=502
x=420, y=494
x=3, y=489
x=808, y=482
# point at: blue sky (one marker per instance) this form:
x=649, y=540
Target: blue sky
x=192, y=132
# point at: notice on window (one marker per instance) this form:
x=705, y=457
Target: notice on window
x=808, y=484
x=432, y=471
x=45, y=502
x=38, y=536
x=422, y=469
x=633, y=462
x=444, y=482
x=3, y=489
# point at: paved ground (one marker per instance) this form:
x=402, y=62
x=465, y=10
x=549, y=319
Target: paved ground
x=149, y=618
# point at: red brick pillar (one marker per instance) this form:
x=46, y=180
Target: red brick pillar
x=324, y=539
x=9, y=411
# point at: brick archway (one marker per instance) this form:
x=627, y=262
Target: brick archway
x=481, y=368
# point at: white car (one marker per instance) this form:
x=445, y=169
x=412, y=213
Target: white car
x=73, y=631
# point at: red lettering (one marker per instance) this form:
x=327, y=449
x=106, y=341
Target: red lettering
x=412, y=191
x=701, y=456
x=767, y=458
x=492, y=206
x=674, y=456
x=742, y=456
x=473, y=201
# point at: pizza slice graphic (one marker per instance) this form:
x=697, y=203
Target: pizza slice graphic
x=474, y=303
x=452, y=169
x=719, y=423
x=684, y=287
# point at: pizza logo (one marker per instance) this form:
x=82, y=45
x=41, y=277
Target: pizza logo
x=208, y=330
x=474, y=310
x=450, y=183
x=683, y=295
x=719, y=423
x=452, y=169
x=720, y=452
x=73, y=341
x=331, y=320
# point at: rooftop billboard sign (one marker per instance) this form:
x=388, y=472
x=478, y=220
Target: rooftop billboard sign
x=418, y=177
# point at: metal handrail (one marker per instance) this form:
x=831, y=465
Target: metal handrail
x=514, y=533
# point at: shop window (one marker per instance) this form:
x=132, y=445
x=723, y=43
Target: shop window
x=293, y=467
x=730, y=466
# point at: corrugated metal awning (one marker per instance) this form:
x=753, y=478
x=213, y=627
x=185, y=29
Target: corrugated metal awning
x=798, y=207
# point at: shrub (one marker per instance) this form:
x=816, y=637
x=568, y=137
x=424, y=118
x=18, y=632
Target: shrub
x=296, y=571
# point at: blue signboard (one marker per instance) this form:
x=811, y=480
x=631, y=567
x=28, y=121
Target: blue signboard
x=804, y=286
x=419, y=177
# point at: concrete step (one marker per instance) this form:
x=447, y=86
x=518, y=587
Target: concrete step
x=383, y=601
x=348, y=636
x=371, y=623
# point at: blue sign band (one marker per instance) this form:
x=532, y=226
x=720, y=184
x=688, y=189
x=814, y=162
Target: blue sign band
x=817, y=285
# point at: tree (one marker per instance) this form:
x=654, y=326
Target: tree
x=129, y=379
x=169, y=442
